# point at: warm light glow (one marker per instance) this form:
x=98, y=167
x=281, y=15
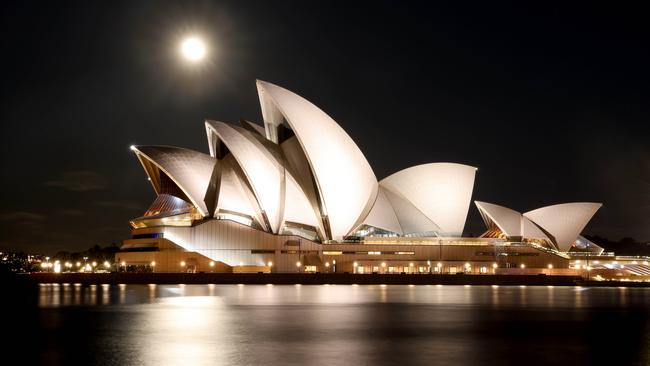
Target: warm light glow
x=193, y=49
x=494, y=265
x=182, y=263
x=94, y=264
x=211, y=263
x=411, y=264
x=439, y=265
x=132, y=147
x=383, y=264
x=78, y=264
x=123, y=263
x=327, y=264
x=523, y=265
x=106, y=264
x=355, y=264
x=270, y=264
x=550, y=266
x=467, y=265
x=153, y=263
x=297, y=264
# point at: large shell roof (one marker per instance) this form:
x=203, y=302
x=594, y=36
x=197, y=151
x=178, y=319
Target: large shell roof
x=303, y=168
x=345, y=181
x=563, y=222
x=441, y=191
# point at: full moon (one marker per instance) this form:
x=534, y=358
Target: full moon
x=193, y=49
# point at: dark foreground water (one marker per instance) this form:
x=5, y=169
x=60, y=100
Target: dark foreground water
x=337, y=325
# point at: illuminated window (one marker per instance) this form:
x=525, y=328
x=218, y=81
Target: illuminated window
x=310, y=268
x=374, y=253
x=335, y=252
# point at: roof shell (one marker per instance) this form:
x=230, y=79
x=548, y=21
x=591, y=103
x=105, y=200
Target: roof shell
x=344, y=179
x=441, y=191
x=564, y=221
x=189, y=169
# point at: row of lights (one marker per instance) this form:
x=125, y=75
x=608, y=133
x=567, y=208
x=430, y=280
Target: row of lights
x=69, y=265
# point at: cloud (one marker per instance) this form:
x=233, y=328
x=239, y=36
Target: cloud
x=79, y=181
x=71, y=212
x=125, y=205
x=21, y=216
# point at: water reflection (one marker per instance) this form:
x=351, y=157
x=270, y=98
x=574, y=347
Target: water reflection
x=338, y=324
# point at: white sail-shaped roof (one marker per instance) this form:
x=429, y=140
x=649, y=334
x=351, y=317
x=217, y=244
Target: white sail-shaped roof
x=382, y=215
x=344, y=179
x=265, y=174
x=190, y=170
x=564, y=222
x=507, y=220
x=297, y=207
x=235, y=195
x=410, y=218
x=441, y=191
x=532, y=231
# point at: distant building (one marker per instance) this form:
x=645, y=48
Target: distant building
x=298, y=195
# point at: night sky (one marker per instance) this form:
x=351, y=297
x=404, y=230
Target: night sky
x=550, y=102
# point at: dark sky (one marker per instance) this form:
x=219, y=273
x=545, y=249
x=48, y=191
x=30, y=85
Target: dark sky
x=550, y=102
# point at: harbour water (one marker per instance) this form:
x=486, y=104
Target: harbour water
x=338, y=325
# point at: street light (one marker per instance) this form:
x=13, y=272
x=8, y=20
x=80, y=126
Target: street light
x=298, y=264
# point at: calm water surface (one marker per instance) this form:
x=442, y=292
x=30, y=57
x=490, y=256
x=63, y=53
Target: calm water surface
x=340, y=325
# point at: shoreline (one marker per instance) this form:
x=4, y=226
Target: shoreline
x=321, y=279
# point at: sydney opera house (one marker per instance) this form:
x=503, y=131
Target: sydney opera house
x=298, y=195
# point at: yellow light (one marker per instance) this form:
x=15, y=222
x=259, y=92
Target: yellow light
x=193, y=49
x=182, y=263
x=355, y=264
x=494, y=265
x=106, y=264
x=411, y=264
x=211, y=263
x=44, y=265
x=123, y=264
x=439, y=264
x=132, y=147
x=78, y=264
x=94, y=264
x=550, y=266
x=523, y=265
x=297, y=264
x=327, y=264
x=383, y=264
x=153, y=263
x=467, y=265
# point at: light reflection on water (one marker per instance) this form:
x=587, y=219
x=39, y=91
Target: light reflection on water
x=340, y=324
